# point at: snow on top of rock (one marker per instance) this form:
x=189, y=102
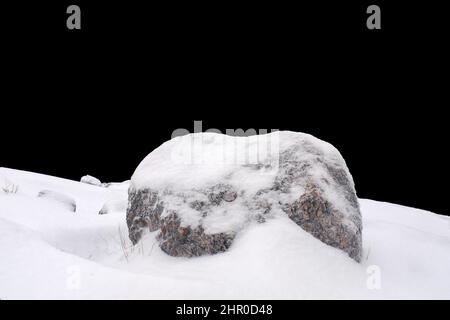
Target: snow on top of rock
x=201, y=159
x=91, y=180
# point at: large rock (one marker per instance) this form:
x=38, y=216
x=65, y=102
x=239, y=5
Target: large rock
x=198, y=191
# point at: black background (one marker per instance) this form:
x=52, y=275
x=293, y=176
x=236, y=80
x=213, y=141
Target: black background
x=281, y=309
x=98, y=100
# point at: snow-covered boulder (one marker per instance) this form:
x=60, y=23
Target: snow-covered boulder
x=61, y=198
x=198, y=191
x=91, y=180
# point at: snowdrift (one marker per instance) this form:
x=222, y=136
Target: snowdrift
x=48, y=252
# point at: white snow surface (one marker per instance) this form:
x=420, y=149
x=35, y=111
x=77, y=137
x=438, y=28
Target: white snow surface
x=46, y=253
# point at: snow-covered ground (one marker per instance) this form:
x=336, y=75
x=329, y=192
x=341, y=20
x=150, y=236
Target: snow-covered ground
x=49, y=252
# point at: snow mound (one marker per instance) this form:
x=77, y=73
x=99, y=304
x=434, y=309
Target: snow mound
x=91, y=180
x=68, y=202
x=117, y=204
